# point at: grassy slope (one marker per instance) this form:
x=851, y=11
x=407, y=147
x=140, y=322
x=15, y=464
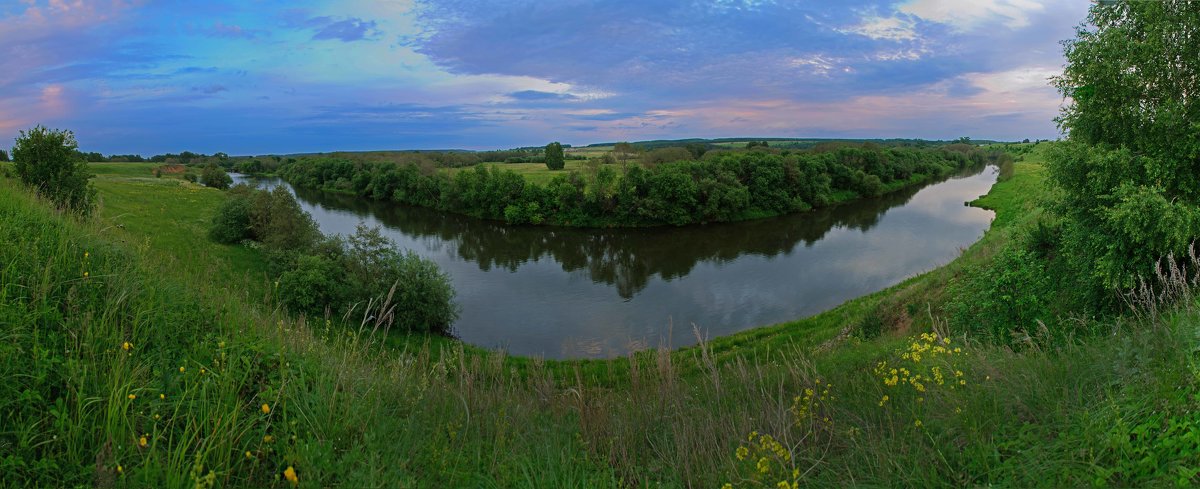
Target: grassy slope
x=1115, y=409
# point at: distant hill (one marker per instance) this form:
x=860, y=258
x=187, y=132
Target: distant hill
x=798, y=143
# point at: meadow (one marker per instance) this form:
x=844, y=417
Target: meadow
x=142, y=354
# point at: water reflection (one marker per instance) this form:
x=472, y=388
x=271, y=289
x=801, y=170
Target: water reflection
x=563, y=292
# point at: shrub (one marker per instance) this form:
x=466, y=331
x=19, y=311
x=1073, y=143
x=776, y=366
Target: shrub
x=1007, y=295
x=231, y=224
x=215, y=177
x=278, y=222
x=48, y=160
x=313, y=284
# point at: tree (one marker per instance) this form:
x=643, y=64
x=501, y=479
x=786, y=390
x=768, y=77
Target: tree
x=3, y=155
x=215, y=177
x=624, y=152
x=48, y=160
x=1127, y=175
x=554, y=156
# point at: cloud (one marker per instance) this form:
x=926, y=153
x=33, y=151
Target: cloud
x=886, y=28
x=330, y=28
x=537, y=95
x=964, y=15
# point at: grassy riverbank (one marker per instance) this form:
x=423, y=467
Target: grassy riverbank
x=141, y=354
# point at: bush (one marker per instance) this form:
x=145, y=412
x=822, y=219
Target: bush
x=423, y=299
x=231, y=224
x=48, y=160
x=215, y=177
x=272, y=218
x=314, y=284
x=1009, y=294
x=363, y=267
x=191, y=177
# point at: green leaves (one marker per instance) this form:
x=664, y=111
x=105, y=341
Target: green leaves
x=1128, y=180
x=48, y=160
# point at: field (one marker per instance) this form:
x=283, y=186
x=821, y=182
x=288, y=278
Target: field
x=538, y=173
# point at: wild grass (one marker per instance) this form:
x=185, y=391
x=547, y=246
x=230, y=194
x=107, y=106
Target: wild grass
x=92, y=314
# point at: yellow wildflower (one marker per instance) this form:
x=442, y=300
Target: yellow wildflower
x=120, y=469
x=142, y=441
x=126, y=346
x=85, y=275
x=266, y=409
x=764, y=465
x=727, y=486
x=162, y=396
x=918, y=423
x=742, y=452
x=248, y=454
x=268, y=439
x=132, y=397
x=290, y=475
x=181, y=369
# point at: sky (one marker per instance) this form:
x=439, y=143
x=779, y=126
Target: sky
x=271, y=77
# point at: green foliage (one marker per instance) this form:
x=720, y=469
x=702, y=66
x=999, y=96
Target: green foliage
x=316, y=273
x=1128, y=187
x=277, y=221
x=364, y=267
x=658, y=156
x=231, y=224
x=676, y=190
x=1007, y=295
x=312, y=284
x=3, y=155
x=273, y=218
x=554, y=156
x=48, y=160
x=214, y=176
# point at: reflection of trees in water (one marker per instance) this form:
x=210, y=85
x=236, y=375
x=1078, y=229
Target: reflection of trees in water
x=622, y=258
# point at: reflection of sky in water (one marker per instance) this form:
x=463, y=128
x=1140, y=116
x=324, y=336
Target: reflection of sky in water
x=540, y=309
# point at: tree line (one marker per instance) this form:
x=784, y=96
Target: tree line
x=721, y=186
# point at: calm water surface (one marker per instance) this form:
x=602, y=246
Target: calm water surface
x=583, y=293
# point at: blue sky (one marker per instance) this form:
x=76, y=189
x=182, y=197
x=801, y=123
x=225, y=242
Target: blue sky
x=258, y=77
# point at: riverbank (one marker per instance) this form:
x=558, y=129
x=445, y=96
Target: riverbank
x=153, y=369
x=721, y=187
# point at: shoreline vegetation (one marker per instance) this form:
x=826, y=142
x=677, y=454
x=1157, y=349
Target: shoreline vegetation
x=721, y=186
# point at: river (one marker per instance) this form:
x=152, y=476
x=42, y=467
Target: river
x=589, y=293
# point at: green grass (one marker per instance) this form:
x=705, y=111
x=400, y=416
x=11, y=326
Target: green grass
x=537, y=172
x=348, y=409
x=172, y=216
